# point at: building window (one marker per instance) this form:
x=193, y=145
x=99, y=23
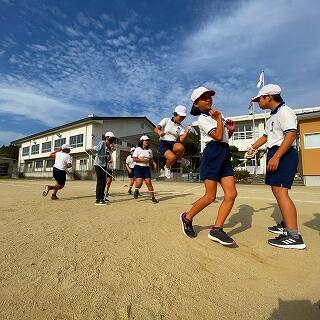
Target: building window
x=312, y=140
x=35, y=149
x=39, y=164
x=131, y=145
x=46, y=147
x=83, y=164
x=4, y=169
x=58, y=143
x=49, y=164
x=25, y=151
x=117, y=141
x=76, y=141
x=243, y=131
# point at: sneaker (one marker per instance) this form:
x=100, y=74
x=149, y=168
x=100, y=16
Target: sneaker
x=187, y=226
x=130, y=191
x=278, y=229
x=220, y=236
x=154, y=200
x=136, y=194
x=100, y=203
x=184, y=162
x=45, y=190
x=167, y=172
x=287, y=241
x=54, y=197
x=107, y=194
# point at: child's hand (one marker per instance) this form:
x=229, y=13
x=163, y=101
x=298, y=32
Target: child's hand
x=189, y=127
x=230, y=125
x=215, y=114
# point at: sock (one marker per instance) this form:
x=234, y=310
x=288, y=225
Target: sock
x=293, y=233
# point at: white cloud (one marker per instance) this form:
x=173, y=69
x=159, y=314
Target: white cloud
x=7, y=136
x=24, y=101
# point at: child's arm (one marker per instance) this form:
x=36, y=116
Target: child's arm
x=53, y=153
x=218, y=133
x=184, y=136
x=251, y=149
x=158, y=131
x=153, y=164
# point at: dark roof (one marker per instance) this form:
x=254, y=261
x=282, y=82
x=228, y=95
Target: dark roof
x=308, y=115
x=84, y=120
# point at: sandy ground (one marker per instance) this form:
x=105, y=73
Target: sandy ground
x=69, y=259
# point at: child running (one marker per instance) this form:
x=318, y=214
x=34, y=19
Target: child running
x=130, y=165
x=63, y=161
x=282, y=162
x=169, y=131
x=215, y=166
x=143, y=157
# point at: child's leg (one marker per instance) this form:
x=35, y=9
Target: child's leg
x=170, y=158
x=109, y=181
x=137, y=184
x=178, y=150
x=209, y=197
x=286, y=206
x=230, y=193
x=149, y=186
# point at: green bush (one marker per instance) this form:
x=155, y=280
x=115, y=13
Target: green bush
x=241, y=175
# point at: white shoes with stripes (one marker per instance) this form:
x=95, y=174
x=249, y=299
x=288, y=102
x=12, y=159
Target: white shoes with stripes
x=287, y=241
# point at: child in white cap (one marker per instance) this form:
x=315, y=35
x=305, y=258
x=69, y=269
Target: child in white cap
x=282, y=162
x=215, y=166
x=130, y=166
x=143, y=157
x=172, y=135
x=63, y=161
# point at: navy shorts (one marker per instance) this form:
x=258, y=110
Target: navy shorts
x=142, y=172
x=109, y=173
x=131, y=174
x=216, y=161
x=164, y=146
x=60, y=176
x=287, y=168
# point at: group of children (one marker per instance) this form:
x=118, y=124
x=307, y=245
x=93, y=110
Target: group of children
x=282, y=161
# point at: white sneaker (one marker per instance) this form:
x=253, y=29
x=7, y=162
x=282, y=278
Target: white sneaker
x=184, y=162
x=167, y=172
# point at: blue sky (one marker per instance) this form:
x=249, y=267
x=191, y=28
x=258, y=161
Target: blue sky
x=63, y=60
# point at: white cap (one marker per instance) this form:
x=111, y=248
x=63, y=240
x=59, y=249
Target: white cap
x=144, y=138
x=180, y=110
x=266, y=90
x=109, y=134
x=197, y=93
x=132, y=149
x=65, y=146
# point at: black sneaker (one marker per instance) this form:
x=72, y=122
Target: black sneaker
x=287, y=241
x=154, y=200
x=130, y=191
x=220, y=236
x=187, y=226
x=136, y=194
x=278, y=229
x=100, y=203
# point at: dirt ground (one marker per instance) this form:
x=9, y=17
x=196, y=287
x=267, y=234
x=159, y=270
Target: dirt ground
x=69, y=259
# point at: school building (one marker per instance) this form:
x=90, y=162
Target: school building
x=250, y=127
x=34, y=150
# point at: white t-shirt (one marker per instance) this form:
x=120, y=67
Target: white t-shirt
x=207, y=125
x=62, y=160
x=130, y=162
x=142, y=153
x=172, y=130
x=282, y=120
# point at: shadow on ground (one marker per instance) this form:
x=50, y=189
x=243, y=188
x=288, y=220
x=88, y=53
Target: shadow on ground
x=296, y=310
